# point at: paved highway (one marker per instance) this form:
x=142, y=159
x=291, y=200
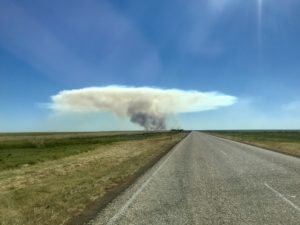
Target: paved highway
x=209, y=180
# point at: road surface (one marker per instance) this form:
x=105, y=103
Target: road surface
x=209, y=180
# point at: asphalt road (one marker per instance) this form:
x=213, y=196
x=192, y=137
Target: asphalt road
x=208, y=180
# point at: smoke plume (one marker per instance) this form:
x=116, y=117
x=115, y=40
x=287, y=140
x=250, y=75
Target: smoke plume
x=148, y=107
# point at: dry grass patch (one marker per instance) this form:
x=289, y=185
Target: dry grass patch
x=54, y=191
x=287, y=142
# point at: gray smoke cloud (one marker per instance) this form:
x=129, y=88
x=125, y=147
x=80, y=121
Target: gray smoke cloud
x=148, y=107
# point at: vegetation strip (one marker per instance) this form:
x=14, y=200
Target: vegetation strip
x=77, y=186
x=285, y=142
x=29, y=149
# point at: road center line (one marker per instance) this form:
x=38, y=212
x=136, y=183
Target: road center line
x=133, y=197
x=283, y=198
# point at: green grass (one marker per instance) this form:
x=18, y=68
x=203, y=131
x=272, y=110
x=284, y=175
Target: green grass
x=55, y=191
x=282, y=141
x=20, y=149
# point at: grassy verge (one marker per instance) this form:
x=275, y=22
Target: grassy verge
x=54, y=191
x=29, y=149
x=287, y=142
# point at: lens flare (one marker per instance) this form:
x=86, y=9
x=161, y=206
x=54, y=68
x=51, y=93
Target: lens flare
x=259, y=21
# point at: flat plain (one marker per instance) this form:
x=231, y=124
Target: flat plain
x=287, y=142
x=49, y=178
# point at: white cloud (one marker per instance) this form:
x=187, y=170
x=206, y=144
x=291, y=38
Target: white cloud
x=145, y=106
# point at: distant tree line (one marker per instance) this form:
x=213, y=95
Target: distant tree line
x=177, y=130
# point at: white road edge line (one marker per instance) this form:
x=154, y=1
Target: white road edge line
x=129, y=201
x=283, y=198
x=224, y=153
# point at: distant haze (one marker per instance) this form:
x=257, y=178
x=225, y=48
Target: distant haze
x=148, y=107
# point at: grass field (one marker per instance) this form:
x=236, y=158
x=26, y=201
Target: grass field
x=50, y=178
x=28, y=149
x=287, y=142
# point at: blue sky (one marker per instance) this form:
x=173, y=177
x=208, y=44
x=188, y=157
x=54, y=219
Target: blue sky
x=247, y=49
